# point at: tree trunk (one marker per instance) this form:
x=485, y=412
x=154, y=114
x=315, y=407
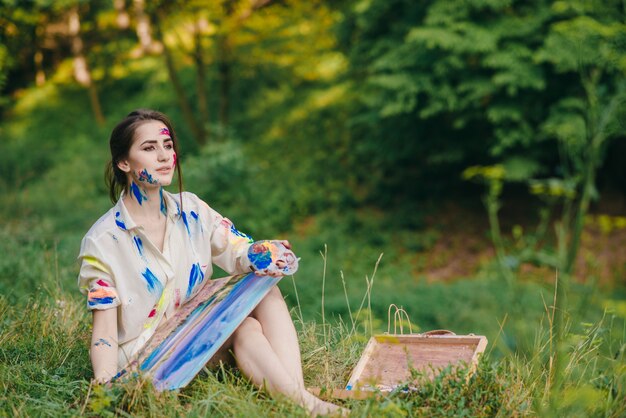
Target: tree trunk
x=183, y=101
x=144, y=28
x=81, y=68
x=224, y=57
x=122, y=19
x=235, y=18
x=40, y=75
x=203, y=108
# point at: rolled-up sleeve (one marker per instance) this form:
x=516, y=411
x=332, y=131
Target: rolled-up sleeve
x=95, y=279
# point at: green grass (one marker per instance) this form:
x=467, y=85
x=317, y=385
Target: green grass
x=45, y=328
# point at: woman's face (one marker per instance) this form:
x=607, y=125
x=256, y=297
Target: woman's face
x=151, y=159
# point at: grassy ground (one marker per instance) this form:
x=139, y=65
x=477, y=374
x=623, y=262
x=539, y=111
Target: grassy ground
x=44, y=334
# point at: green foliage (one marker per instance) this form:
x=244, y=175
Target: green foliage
x=474, y=81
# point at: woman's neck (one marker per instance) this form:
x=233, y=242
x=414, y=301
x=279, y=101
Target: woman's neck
x=145, y=203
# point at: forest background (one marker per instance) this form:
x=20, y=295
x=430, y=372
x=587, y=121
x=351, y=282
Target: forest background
x=460, y=159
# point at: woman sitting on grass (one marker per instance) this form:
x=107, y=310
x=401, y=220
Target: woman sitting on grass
x=153, y=251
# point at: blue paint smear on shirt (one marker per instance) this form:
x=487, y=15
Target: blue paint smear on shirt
x=136, y=191
x=196, y=275
x=152, y=282
x=119, y=222
x=194, y=215
x=186, y=223
x=139, y=244
x=240, y=234
x=101, y=301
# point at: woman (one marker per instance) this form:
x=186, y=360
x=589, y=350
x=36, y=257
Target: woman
x=153, y=251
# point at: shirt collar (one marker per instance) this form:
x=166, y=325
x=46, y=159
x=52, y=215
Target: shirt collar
x=173, y=205
x=122, y=217
x=126, y=223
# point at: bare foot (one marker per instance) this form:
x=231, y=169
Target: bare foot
x=317, y=407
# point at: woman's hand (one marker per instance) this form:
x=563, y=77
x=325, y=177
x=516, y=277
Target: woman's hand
x=283, y=260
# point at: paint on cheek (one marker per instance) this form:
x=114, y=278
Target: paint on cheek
x=146, y=177
x=174, y=164
x=102, y=341
x=137, y=192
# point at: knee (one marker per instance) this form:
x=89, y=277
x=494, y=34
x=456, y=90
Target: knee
x=248, y=328
x=274, y=295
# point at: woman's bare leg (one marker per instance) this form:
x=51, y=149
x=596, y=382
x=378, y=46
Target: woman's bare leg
x=273, y=315
x=257, y=359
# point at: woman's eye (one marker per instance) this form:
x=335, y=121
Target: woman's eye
x=169, y=146
x=149, y=148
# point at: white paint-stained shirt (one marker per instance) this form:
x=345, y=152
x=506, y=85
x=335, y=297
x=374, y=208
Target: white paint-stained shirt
x=122, y=269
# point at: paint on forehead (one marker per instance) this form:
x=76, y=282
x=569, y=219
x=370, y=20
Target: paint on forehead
x=152, y=282
x=119, y=222
x=146, y=177
x=164, y=131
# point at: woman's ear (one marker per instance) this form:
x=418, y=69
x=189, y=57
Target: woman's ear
x=123, y=165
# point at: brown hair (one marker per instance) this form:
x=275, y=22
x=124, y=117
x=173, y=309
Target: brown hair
x=120, y=142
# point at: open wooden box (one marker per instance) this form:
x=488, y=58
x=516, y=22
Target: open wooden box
x=387, y=360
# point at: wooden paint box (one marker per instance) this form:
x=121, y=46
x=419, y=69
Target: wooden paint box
x=387, y=360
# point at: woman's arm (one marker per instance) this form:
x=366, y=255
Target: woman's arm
x=103, y=350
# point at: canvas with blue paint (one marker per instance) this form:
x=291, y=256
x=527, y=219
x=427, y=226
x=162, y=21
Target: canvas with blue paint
x=182, y=347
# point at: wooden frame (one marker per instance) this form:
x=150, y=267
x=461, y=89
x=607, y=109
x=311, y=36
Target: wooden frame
x=388, y=360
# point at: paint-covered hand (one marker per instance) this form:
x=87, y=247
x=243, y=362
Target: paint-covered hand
x=272, y=258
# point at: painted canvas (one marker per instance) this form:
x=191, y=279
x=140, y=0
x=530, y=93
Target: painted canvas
x=182, y=346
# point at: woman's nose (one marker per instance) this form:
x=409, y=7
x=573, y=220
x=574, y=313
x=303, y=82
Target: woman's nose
x=163, y=155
